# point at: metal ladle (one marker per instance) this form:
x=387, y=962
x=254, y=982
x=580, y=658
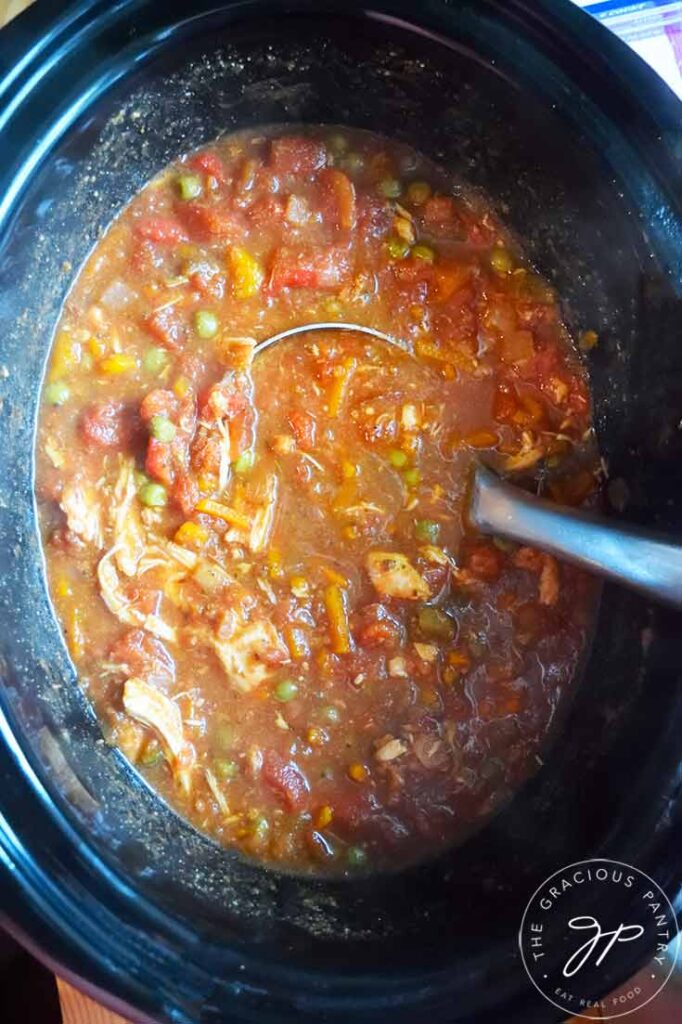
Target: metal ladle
x=637, y=558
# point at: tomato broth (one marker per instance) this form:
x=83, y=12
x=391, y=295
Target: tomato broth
x=262, y=566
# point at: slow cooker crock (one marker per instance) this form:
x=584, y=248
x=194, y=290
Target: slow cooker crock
x=579, y=146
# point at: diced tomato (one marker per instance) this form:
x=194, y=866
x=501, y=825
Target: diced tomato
x=206, y=221
x=309, y=267
x=484, y=561
x=107, y=425
x=352, y=809
x=224, y=400
x=377, y=628
x=304, y=427
x=242, y=432
x=207, y=452
x=167, y=327
x=163, y=230
x=505, y=404
x=145, y=256
x=209, y=284
x=374, y=216
x=143, y=655
x=185, y=494
x=159, y=461
x=440, y=216
x=297, y=155
x=450, y=278
x=159, y=402
x=410, y=272
x=266, y=212
x=338, y=196
x=208, y=163
x=287, y=780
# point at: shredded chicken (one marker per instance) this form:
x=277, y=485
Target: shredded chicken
x=435, y=555
x=409, y=417
x=427, y=652
x=83, y=513
x=547, y=568
x=390, y=750
x=129, y=534
x=118, y=604
x=394, y=576
x=549, y=581
x=152, y=708
x=218, y=794
x=236, y=351
x=250, y=654
x=263, y=518
x=397, y=668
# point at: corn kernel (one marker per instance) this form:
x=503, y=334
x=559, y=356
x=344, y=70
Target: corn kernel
x=63, y=587
x=324, y=817
x=459, y=660
x=348, y=470
x=357, y=772
x=118, y=363
x=315, y=736
x=299, y=586
x=191, y=533
x=97, y=347
x=181, y=387
x=275, y=564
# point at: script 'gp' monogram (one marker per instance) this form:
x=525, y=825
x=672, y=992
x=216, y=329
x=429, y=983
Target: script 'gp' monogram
x=590, y=924
x=623, y=933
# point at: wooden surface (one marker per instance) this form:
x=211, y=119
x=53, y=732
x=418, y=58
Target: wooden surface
x=10, y=8
x=78, y=1009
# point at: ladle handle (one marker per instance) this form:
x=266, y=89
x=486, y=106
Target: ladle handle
x=642, y=560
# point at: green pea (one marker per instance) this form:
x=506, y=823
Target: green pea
x=155, y=359
x=423, y=252
x=397, y=248
x=390, y=188
x=331, y=714
x=286, y=690
x=356, y=857
x=397, y=458
x=56, y=393
x=338, y=144
x=500, y=260
x=223, y=736
x=189, y=186
x=205, y=323
x=412, y=477
x=426, y=530
x=435, y=624
x=245, y=462
x=225, y=769
x=354, y=163
x=153, y=495
x=161, y=428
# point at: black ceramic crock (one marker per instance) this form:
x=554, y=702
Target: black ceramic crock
x=579, y=146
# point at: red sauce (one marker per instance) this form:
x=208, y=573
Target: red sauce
x=263, y=567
